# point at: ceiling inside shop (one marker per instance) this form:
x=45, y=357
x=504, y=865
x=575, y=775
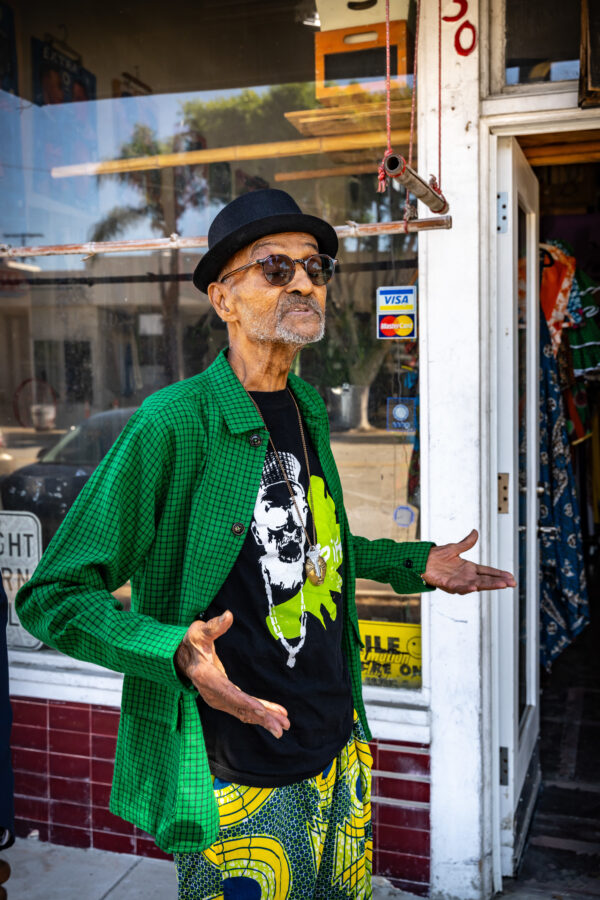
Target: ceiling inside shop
x=175, y=47
x=562, y=147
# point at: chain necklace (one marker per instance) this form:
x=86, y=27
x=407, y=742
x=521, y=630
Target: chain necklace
x=315, y=566
x=292, y=651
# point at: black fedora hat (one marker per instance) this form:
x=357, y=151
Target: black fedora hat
x=250, y=217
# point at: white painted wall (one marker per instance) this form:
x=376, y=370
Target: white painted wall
x=451, y=329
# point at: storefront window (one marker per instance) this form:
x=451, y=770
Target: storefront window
x=542, y=41
x=137, y=124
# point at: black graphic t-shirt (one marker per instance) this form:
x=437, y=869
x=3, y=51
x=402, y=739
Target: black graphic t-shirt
x=285, y=643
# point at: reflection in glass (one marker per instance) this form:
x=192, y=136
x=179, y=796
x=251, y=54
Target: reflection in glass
x=94, y=149
x=542, y=41
x=49, y=485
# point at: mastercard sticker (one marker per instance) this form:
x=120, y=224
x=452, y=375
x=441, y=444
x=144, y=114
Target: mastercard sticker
x=402, y=326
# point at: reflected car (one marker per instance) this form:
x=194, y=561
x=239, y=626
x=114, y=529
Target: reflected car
x=7, y=460
x=49, y=486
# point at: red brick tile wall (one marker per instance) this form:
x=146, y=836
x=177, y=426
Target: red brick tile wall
x=63, y=761
x=401, y=822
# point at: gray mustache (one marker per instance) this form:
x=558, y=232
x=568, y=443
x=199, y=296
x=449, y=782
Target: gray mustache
x=291, y=300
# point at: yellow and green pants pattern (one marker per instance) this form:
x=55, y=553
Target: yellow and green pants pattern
x=307, y=840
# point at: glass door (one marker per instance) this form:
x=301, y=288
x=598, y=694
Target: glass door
x=517, y=612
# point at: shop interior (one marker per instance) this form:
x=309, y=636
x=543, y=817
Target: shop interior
x=561, y=852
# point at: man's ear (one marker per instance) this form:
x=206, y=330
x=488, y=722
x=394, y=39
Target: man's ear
x=219, y=297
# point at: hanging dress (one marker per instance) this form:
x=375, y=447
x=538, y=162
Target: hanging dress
x=564, y=608
x=585, y=340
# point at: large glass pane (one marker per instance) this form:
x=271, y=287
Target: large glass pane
x=143, y=122
x=542, y=41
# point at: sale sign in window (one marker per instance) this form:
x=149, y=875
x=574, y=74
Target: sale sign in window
x=391, y=654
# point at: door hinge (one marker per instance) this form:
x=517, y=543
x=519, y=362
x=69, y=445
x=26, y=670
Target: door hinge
x=502, y=492
x=502, y=212
x=504, y=765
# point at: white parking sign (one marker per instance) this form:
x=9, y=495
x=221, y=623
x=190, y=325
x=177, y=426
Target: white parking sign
x=20, y=551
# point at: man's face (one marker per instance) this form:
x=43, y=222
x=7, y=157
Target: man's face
x=292, y=314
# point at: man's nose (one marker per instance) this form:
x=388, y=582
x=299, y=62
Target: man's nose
x=300, y=282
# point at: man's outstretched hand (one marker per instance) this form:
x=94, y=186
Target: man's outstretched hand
x=446, y=570
x=196, y=659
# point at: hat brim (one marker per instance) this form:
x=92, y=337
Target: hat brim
x=214, y=259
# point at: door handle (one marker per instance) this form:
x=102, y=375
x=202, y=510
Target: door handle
x=550, y=530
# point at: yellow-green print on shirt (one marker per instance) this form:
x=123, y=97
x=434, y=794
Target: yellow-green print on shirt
x=285, y=617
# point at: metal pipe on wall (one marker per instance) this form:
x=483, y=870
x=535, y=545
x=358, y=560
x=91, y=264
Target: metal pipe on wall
x=175, y=242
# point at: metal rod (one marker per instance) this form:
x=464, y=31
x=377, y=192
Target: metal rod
x=397, y=167
x=95, y=248
x=402, y=227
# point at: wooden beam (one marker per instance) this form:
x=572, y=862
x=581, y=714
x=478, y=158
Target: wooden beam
x=330, y=172
x=370, y=140
x=563, y=154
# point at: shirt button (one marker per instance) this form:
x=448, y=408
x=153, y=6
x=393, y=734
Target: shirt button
x=255, y=440
x=238, y=528
x=408, y=563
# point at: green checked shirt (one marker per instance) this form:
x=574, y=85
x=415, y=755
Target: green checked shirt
x=168, y=508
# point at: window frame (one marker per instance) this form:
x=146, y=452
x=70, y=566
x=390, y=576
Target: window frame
x=493, y=62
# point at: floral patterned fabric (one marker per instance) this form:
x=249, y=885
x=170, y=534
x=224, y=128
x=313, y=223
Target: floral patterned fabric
x=584, y=341
x=309, y=839
x=564, y=604
x=555, y=291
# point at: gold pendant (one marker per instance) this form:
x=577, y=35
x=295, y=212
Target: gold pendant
x=315, y=567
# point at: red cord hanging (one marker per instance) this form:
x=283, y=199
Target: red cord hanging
x=395, y=166
x=381, y=175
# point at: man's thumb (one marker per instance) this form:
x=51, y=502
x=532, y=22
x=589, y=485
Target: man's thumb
x=218, y=625
x=469, y=541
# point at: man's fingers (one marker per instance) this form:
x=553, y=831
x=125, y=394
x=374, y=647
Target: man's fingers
x=276, y=711
x=508, y=577
x=273, y=707
x=220, y=693
x=260, y=712
x=493, y=583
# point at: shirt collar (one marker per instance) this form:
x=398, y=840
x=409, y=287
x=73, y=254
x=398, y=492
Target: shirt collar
x=239, y=412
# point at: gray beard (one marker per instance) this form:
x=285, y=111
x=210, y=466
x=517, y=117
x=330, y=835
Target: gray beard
x=288, y=336
x=283, y=334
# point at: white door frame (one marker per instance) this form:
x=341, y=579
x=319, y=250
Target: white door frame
x=498, y=120
x=518, y=190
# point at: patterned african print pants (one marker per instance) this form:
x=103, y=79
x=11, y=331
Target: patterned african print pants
x=307, y=840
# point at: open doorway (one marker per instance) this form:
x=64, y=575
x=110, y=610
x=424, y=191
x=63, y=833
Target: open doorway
x=562, y=852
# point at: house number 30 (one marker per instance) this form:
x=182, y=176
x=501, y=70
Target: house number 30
x=465, y=37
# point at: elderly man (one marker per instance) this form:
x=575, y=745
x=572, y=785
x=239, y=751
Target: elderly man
x=243, y=738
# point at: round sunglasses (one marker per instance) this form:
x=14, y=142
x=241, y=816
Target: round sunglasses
x=280, y=269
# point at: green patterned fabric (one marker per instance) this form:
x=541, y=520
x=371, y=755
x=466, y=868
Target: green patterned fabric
x=310, y=839
x=159, y=510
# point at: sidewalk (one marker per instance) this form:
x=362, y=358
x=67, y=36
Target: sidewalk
x=42, y=871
